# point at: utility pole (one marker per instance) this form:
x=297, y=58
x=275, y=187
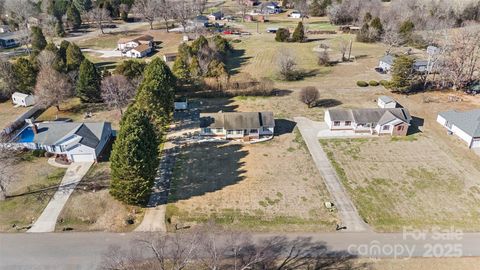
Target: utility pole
x=350, y=50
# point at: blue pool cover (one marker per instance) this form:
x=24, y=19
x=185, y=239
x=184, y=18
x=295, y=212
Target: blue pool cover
x=26, y=136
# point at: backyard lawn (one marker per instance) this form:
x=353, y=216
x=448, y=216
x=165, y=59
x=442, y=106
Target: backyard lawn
x=33, y=174
x=8, y=113
x=76, y=111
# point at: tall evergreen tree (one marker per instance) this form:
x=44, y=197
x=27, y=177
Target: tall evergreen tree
x=134, y=158
x=402, y=74
x=157, y=92
x=88, y=83
x=299, y=33
x=74, y=57
x=83, y=5
x=73, y=17
x=38, y=39
x=181, y=65
x=59, y=29
x=25, y=74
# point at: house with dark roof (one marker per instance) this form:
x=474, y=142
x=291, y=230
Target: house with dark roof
x=76, y=141
x=237, y=125
x=382, y=121
x=465, y=125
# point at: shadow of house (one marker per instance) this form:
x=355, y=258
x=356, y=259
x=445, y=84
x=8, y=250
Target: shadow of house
x=415, y=125
x=328, y=103
x=106, y=65
x=205, y=168
x=284, y=126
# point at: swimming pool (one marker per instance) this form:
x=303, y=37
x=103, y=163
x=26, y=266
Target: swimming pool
x=25, y=136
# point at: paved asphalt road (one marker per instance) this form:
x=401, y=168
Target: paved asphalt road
x=346, y=209
x=84, y=250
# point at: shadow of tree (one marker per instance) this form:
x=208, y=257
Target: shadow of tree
x=235, y=60
x=106, y=65
x=216, y=248
x=328, y=103
x=204, y=168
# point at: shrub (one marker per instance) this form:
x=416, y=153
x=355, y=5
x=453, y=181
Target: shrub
x=323, y=59
x=282, y=35
x=38, y=153
x=362, y=83
x=384, y=83
x=299, y=33
x=309, y=95
x=373, y=83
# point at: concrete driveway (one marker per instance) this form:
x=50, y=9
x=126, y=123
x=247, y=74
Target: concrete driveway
x=47, y=220
x=347, y=210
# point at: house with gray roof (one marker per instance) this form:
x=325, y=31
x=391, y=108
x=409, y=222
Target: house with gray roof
x=386, y=64
x=465, y=125
x=386, y=102
x=381, y=121
x=76, y=141
x=237, y=125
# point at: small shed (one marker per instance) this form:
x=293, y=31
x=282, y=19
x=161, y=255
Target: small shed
x=169, y=57
x=386, y=102
x=181, y=104
x=22, y=99
x=386, y=62
x=215, y=16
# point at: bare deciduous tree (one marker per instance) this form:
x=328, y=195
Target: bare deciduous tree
x=166, y=12
x=148, y=9
x=309, y=95
x=460, y=62
x=286, y=64
x=20, y=11
x=184, y=11
x=343, y=47
x=211, y=247
x=99, y=16
x=8, y=158
x=52, y=88
x=8, y=79
x=117, y=91
x=46, y=59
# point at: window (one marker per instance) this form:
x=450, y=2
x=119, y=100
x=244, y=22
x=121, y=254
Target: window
x=348, y=123
x=219, y=130
x=253, y=130
x=400, y=128
x=230, y=132
x=207, y=130
x=336, y=123
x=386, y=127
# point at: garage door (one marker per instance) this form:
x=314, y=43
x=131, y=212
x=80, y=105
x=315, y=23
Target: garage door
x=476, y=143
x=83, y=158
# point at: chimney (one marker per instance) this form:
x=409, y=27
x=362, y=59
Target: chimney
x=35, y=129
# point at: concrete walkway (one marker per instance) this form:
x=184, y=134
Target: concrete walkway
x=47, y=220
x=346, y=209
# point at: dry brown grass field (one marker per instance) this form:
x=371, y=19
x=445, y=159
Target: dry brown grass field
x=8, y=113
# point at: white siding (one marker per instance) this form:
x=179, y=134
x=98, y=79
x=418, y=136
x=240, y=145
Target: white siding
x=476, y=143
x=384, y=66
x=455, y=130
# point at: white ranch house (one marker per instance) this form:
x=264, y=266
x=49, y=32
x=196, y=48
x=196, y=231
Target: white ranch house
x=374, y=121
x=237, y=125
x=465, y=125
x=136, y=47
x=24, y=100
x=76, y=141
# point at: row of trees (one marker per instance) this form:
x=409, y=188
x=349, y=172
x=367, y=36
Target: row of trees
x=204, y=58
x=134, y=159
x=283, y=34
x=211, y=247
